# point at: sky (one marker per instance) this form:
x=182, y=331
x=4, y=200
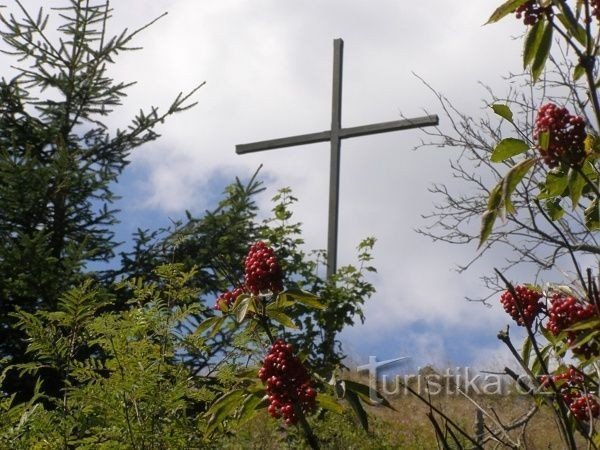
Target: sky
x=267, y=66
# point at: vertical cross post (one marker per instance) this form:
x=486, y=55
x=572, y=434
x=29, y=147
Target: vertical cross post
x=334, y=164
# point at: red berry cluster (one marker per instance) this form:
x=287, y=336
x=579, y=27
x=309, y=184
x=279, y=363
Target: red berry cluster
x=527, y=299
x=288, y=383
x=570, y=384
x=566, y=132
x=262, y=270
x=531, y=11
x=564, y=312
x=226, y=299
x=583, y=406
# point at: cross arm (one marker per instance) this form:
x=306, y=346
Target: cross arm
x=302, y=139
x=384, y=127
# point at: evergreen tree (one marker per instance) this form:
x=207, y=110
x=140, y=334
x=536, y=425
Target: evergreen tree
x=58, y=157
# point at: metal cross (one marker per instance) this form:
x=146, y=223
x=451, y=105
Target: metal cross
x=335, y=135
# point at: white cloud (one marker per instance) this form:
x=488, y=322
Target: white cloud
x=267, y=64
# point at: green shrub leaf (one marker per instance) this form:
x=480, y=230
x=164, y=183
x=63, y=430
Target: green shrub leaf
x=507, y=148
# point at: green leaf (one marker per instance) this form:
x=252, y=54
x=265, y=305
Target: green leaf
x=578, y=72
x=555, y=211
x=306, y=298
x=536, y=368
x=487, y=223
x=360, y=412
x=576, y=185
x=495, y=197
x=571, y=23
x=542, y=52
x=364, y=392
x=206, y=324
x=282, y=318
x=507, y=148
x=242, y=308
x=506, y=8
x=250, y=407
x=592, y=216
x=329, y=403
x=526, y=351
x=532, y=43
x=503, y=111
x=588, y=324
x=512, y=179
x=223, y=408
x=555, y=185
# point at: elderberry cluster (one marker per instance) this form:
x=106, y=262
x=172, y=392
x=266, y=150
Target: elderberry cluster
x=262, y=270
x=564, y=312
x=527, y=300
x=531, y=12
x=566, y=135
x=288, y=383
x=226, y=299
x=570, y=384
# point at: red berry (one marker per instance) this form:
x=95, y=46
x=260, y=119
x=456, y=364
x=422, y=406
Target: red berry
x=531, y=11
x=566, y=135
x=261, y=270
x=564, y=312
x=527, y=300
x=225, y=300
x=287, y=382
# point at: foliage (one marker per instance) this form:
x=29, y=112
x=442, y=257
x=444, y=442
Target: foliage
x=546, y=171
x=132, y=357
x=57, y=156
x=123, y=385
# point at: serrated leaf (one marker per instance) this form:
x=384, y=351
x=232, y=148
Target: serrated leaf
x=576, y=185
x=282, y=318
x=495, y=197
x=503, y=10
x=306, y=298
x=223, y=408
x=536, y=368
x=503, y=111
x=241, y=309
x=487, y=224
x=578, y=72
x=206, y=324
x=329, y=403
x=217, y=326
x=512, y=179
x=571, y=24
x=542, y=52
x=532, y=43
x=555, y=185
x=507, y=148
x=553, y=208
x=585, y=325
x=250, y=407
